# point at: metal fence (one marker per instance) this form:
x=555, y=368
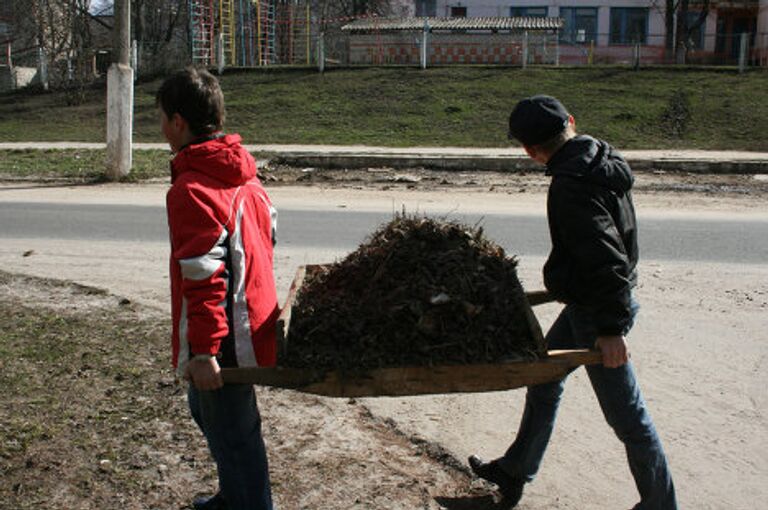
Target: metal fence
x=325, y=44
x=748, y=49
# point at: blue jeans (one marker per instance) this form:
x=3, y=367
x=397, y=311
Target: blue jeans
x=229, y=418
x=622, y=404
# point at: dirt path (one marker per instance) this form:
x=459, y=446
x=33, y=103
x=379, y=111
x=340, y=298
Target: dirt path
x=103, y=427
x=699, y=348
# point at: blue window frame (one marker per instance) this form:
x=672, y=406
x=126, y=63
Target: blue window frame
x=528, y=11
x=579, y=25
x=629, y=25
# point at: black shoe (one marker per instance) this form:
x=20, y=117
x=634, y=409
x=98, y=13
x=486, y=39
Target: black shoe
x=511, y=487
x=215, y=502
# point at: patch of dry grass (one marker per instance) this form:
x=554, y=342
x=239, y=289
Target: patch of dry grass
x=91, y=418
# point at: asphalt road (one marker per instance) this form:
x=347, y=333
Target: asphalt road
x=689, y=239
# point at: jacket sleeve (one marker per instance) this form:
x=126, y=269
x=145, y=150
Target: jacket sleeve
x=598, y=260
x=199, y=246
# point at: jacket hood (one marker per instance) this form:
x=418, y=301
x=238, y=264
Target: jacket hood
x=223, y=159
x=593, y=160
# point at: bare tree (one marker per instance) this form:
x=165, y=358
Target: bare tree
x=685, y=29
x=160, y=32
x=61, y=31
x=679, y=28
x=331, y=10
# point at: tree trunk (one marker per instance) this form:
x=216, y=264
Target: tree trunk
x=681, y=44
x=669, y=24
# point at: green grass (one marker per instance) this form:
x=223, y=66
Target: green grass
x=465, y=106
x=84, y=165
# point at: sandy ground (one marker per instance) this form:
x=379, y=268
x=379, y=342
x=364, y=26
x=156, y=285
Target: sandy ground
x=699, y=348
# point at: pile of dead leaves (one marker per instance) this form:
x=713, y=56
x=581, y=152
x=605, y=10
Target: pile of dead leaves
x=419, y=292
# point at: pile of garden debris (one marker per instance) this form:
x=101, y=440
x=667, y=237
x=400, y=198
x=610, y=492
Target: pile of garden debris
x=419, y=292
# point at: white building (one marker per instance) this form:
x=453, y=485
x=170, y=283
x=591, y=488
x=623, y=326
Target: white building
x=608, y=31
x=761, y=44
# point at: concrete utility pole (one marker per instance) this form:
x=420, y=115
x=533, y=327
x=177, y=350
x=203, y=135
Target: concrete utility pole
x=120, y=95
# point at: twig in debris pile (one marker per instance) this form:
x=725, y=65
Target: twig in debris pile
x=418, y=292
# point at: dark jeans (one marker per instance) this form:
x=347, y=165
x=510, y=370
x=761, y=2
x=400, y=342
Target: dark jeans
x=622, y=404
x=230, y=421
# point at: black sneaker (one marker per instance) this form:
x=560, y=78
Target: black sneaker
x=215, y=502
x=511, y=487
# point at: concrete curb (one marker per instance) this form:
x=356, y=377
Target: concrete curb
x=456, y=158
x=511, y=163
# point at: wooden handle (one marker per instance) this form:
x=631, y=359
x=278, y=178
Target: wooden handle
x=402, y=381
x=284, y=319
x=539, y=297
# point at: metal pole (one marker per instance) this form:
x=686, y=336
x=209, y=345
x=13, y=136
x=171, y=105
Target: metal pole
x=258, y=30
x=743, y=52
x=241, y=29
x=121, y=35
x=120, y=96
x=321, y=53
x=249, y=24
x=211, y=36
x=42, y=64
x=424, y=43
x=636, y=57
x=135, y=58
x=220, y=54
x=525, y=49
x=309, y=42
x=290, y=33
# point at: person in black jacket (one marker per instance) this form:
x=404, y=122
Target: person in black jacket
x=592, y=270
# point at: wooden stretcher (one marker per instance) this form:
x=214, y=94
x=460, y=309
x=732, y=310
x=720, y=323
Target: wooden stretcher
x=417, y=380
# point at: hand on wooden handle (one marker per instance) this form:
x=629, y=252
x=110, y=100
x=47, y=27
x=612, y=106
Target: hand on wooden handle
x=204, y=373
x=614, y=349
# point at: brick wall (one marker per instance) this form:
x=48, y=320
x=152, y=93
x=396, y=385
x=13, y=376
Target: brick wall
x=404, y=48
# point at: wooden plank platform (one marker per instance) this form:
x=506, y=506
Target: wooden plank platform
x=418, y=380
x=403, y=381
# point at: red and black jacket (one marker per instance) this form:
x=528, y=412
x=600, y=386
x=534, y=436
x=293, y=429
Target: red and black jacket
x=222, y=224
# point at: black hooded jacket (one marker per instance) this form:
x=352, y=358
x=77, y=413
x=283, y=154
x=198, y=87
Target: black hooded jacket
x=593, y=230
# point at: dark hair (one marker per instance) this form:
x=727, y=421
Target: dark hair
x=194, y=94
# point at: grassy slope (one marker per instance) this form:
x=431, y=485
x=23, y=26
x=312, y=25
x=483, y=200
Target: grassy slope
x=437, y=107
x=78, y=165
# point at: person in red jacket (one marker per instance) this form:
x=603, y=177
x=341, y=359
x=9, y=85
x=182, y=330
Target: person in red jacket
x=223, y=298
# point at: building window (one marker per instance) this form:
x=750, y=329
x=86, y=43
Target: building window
x=458, y=12
x=530, y=12
x=426, y=8
x=629, y=25
x=579, y=25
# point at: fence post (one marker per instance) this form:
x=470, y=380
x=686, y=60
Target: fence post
x=135, y=59
x=636, y=57
x=557, y=49
x=525, y=49
x=424, y=43
x=42, y=66
x=743, y=43
x=220, y=54
x=321, y=52
x=308, y=27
